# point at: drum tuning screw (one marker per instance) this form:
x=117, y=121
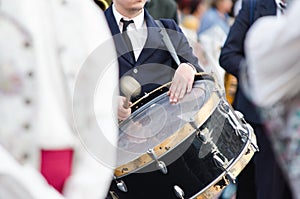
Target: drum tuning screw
x=239, y=115
x=218, y=161
x=121, y=185
x=224, y=107
x=160, y=164
x=201, y=134
x=230, y=177
x=113, y=195
x=179, y=192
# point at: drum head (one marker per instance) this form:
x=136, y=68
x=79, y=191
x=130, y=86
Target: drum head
x=157, y=120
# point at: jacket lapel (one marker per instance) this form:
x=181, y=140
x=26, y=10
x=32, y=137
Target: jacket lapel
x=154, y=39
x=122, y=50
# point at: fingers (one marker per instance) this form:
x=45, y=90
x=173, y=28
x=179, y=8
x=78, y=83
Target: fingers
x=123, y=112
x=190, y=85
x=182, y=82
x=177, y=91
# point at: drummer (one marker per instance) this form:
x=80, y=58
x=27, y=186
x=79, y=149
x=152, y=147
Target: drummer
x=145, y=56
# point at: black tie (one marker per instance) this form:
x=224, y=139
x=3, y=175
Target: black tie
x=126, y=37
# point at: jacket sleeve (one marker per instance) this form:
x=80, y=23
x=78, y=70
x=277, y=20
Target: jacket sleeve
x=181, y=44
x=232, y=53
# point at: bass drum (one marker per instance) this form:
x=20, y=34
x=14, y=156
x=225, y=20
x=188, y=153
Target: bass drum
x=192, y=149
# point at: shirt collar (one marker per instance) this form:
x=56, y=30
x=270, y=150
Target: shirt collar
x=138, y=20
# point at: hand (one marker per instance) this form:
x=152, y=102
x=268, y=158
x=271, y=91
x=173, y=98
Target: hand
x=123, y=111
x=182, y=82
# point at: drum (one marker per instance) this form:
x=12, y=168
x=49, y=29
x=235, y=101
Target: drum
x=192, y=149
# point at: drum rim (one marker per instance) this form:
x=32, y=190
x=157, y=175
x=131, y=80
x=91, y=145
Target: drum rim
x=177, y=137
x=234, y=168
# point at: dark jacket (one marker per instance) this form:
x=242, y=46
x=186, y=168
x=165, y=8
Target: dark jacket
x=232, y=54
x=155, y=65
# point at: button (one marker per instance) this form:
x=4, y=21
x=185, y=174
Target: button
x=27, y=44
x=25, y=156
x=26, y=126
x=27, y=101
x=30, y=74
x=135, y=70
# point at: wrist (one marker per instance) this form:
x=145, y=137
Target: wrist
x=191, y=65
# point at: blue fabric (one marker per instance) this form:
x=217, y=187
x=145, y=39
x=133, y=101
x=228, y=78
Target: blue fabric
x=212, y=18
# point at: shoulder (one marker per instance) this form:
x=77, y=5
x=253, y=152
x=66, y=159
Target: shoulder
x=169, y=23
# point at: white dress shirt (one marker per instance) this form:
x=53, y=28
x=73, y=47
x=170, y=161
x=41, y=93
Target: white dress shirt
x=137, y=31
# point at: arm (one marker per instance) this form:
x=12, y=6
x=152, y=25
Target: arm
x=185, y=72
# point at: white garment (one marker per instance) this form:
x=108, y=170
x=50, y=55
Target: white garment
x=43, y=46
x=22, y=182
x=274, y=66
x=212, y=41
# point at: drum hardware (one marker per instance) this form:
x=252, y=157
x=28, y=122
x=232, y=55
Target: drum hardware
x=179, y=192
x=200, y=134
x=224, y=106
x=221, y=184
x=230, y=177
x=219, y=144
x=160, y=164
x=240, y=116
x=224, y=109
x=223, y=165
x=113, y=195
x=121, y=185
x=253, y=141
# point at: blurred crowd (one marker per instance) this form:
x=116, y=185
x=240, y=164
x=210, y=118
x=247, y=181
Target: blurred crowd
x=45, y=43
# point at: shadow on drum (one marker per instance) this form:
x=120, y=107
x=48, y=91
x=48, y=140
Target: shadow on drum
x=192, y=149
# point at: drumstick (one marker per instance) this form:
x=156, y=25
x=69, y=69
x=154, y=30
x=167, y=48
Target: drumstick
x=130, y=87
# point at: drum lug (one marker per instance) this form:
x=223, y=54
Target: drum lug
x=224, y=107
x=223, y=164
x=179, y=192
x=253, y=143
x=113, y=195
x=121, y=185
x=240, y=116
x=160, y=164
x=201, y=135
x=218, y=161
x=230, y=177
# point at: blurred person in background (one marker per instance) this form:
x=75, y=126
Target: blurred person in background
x=190, y=15
x=262, y=178
x=162, y=9
x=273, y=79
x=213, y=31
x=43, y=46
x=217, y=15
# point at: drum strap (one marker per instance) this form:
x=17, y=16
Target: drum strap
x=168, y=42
